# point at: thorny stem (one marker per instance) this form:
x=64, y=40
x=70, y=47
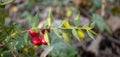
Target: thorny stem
x=64, y=28
x=57, y=28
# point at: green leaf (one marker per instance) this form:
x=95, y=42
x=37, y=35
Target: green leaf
x=29, y=18
x=33, y=20
x=75, y=34
x=92, y=25
x=3, y=14
x=77, y=20
x=100, y=22
x=98, y=3
x=26, y=37
x=20, y=42
x=108, y=29
x=50, y=18
x=90, y=35
x=32, y=51
x=47, y=38
x=81, y=34
x=6, y=54
x=68, y=12
x=36, y=20
x=57, y=33
x=2, y=20
x=66, y=24
x=66, y=36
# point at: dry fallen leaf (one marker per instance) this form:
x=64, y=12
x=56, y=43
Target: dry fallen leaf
x=114, y=22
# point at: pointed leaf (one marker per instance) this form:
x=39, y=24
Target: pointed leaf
x=66, y=36
x=77, y=20
x=47, y=37
x=75, y=34
x=50, y=18
x=81, y=34
x=66, y=24
x=6, y=54
x=36, y=20
x=92, y=25
x=69, y=12
x=90, y=35
x=99, y=21
x=57, y=33
x=2, y=20
x=26, y=37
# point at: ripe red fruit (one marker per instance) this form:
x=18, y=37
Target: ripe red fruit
x=48, y=30
x=43, y=40
x=36, y=41
x=34, y=34
x=43, y=31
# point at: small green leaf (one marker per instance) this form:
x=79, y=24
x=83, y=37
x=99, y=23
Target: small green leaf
x=2, y=20
x=57, y=33
x=75, y=34
x=66, y=36
x=81, y=34
x=90, y=35
x=3, y=15
x=26, y=37
x=77, y=20
x=98, y=3
x=36, y=20
x=47, y=39
x=92, y=25
x=6, y=54
x=66, y=24
x=68, y=12
x=50, y=18
x=100, y=23
x=30, y=19
x=108, y=29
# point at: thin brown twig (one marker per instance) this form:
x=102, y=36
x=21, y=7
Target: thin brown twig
x=104, y=3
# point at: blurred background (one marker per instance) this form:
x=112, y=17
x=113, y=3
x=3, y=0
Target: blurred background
x=105, y=14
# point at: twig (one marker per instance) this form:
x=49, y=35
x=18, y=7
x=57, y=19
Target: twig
x=112, y=39
x=103, y=8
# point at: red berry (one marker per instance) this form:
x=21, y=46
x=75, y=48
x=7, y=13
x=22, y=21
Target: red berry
x=34, y=34
x=48, y=30
x=43, y=40
x=43, y=31
x=36, y=41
